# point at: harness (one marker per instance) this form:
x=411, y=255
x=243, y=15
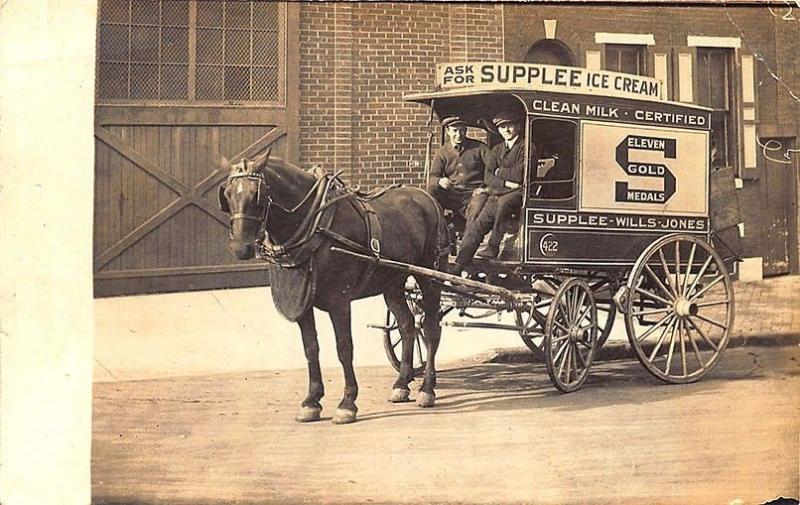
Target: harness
x=327, y=191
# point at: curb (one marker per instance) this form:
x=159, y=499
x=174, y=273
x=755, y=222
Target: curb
x=622, y=350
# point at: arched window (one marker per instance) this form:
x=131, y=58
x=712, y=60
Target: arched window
x=550, y=52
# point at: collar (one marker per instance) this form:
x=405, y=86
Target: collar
x=510, y=143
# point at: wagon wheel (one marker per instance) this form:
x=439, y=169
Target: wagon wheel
x=679, y=308
x=392, y=342
x=530, y=319
x=603, y=291
x=570, y=341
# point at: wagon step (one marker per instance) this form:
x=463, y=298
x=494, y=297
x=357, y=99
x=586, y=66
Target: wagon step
x=455, y=280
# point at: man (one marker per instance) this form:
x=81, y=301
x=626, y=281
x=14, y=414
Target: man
x=504, y=175
x=458, y=170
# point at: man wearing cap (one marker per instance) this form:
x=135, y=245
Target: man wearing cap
x=458, y=170
x=503, y=177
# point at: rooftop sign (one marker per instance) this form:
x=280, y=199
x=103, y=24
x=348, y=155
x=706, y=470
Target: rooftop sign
x=536, y=77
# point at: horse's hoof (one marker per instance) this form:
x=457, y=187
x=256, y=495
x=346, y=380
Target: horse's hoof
x=399, y=395
x=426, y=400
x=308, y=414
x=344, y=416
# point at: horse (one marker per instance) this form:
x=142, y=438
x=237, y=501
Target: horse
x=297, y=219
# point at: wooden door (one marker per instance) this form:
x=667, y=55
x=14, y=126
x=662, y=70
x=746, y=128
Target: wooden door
x=780, y=207
x=180, y=86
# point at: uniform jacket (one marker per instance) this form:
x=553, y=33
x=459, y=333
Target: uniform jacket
x=464, y=166
x=505, y=165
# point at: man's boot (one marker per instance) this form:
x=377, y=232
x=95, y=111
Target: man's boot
x=491, y=251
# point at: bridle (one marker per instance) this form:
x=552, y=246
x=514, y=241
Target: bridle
x=261, y=217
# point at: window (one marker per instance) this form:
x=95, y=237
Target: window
x=552, y=169
x=191, y=51
x=714, y=91
x=625, y=58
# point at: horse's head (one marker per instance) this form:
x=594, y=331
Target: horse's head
x=245, y=198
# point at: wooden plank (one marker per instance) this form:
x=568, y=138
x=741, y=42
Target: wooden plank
x=175, y=283
x=138, y=192
x=128, y=171
x=164, y=147
x=189, y=270
x=190, y=115
x=115, y=197
x=724, y=211
x=121, y=146
x=151, y=200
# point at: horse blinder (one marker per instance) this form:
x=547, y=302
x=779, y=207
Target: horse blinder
x=222, y=199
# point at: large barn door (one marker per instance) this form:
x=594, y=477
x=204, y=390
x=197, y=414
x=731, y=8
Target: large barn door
x=182, y=84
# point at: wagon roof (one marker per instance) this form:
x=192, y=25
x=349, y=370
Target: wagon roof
x=523, y=92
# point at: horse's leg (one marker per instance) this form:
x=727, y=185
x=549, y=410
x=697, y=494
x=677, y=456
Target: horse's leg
x=310, y=408
x=395, y=298
x=346, y=411
x=432, y=331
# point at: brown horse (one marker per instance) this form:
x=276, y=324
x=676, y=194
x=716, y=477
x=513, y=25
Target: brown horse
x=303, y=217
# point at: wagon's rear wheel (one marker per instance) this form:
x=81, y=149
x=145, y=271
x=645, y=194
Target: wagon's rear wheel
x=570, y=340
x=679, y=308
x=392, y=342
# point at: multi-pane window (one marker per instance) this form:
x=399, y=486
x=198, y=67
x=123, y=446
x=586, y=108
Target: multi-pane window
x=191, y=51
x=714, y=91
x=626, y=58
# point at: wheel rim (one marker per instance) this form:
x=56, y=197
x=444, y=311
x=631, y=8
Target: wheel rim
x=571, y=335
x=680, y=308
x=392, y=341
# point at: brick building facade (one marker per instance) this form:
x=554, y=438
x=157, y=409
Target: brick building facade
x=182, y=83
x=358, y=60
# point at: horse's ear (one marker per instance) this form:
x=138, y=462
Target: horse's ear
x=225, y=164
x=222, y=199
x=261, y=161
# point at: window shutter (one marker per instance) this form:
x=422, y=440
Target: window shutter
x=684, y=84
x=659, y=68
x=593, y=56
x=748, y=115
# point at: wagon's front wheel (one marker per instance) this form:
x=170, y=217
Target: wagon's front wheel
x=679, y=308
x=392, y=342
x=570, y=335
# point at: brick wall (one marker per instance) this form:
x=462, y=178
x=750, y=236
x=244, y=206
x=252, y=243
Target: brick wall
x=357, y=62
x=359, y=59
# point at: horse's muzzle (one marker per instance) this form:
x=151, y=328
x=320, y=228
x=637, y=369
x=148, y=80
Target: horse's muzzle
x=243, y=250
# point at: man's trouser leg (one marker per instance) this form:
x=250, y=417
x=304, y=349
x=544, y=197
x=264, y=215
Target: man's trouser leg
x=506, y=205
x=476, y=231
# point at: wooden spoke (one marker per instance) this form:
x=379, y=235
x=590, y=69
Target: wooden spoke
x=702, y=335
x=683, y=348
x=694, y=344
x=653, y=328
x=559, y=353
x=647, y=312
x=707, y=288
x=666, y=271
x=580, y=356
x=579, y=316
x=563, y=360
x=677, y=266
x=561, y=326
x=700, y=274
x=661, y=339
x=653, y=296
x=658, y=281
x=711, y=321
x=671, y=351
x=714, y=302
x=689, y=264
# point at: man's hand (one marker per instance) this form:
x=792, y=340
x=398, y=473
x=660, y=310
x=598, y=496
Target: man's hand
x=511, y=185
x=445, y=183
x=478, y=191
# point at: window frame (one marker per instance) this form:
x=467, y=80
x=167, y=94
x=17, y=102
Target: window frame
x=639, y=49
x=730, y=133
x=282, y=66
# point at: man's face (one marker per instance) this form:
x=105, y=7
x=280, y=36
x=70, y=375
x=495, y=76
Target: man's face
x=456, y=134
x=508, y=130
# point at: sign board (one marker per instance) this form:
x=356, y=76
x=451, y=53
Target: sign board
x=553, y=78
x=644, y=170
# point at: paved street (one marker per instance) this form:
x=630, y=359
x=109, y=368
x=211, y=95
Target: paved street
x=500, y=434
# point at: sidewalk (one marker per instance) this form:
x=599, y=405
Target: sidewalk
x=210, y=332
x=767, y=314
